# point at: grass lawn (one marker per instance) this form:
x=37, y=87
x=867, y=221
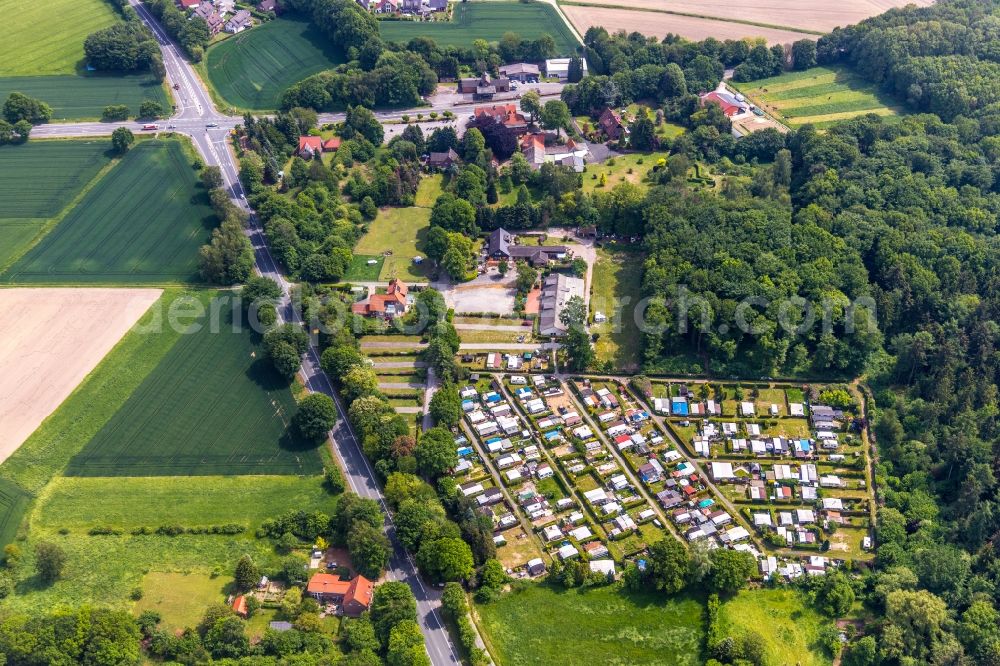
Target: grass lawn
x=489, y=21
x=428, y=190
x=401, y=231
x=787, y=624
x=821, y=96
x=47, y=37
x=617, y=278
x=181, y=598
x=142, y=223
x=213, y=405
x=666, y=130
x=361, y=271
x=252, y=69
x=78, y=503
x=517, y=552
x=84, y=97
x=542, y=625
x=618, y=171
x=104, y=570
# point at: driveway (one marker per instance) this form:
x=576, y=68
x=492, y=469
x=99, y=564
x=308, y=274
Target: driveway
x=500, y=328
x=487, y=293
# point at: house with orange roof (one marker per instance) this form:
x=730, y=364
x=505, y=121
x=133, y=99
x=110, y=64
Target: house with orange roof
x=310, y=146
x=505, y=114
x=354, y=596
x=393, y=303
x=240, y=605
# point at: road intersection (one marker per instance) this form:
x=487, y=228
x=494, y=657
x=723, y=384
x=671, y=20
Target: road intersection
x=196, y=116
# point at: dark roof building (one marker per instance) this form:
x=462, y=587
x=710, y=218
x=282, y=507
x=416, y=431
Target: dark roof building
x=520, y=71
x=501, y=246
x=442, y=160
x=611, y=124
x=483, y=87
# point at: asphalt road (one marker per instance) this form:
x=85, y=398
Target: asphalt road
x=197, y=117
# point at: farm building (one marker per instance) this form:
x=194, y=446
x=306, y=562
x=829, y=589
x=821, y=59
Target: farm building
x=730, y=105
x=557, y=290
x=559, y=68
x=520, y=71
x=354, y=596
x=501, y=246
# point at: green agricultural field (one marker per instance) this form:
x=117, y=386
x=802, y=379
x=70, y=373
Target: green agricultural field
x=141, y=224
x=213, y=405
x=402, y=232
x=253, y=69
x=361, y=271
x=84, y=97
x=428, y=190
x=820, y=96
x=786, y=622
x=489, y=21
x=92, y=404
x=13, y=503
x=80, y=503
x=615, y=290
x=542, y=625
x=64, y=167
x=47, y=37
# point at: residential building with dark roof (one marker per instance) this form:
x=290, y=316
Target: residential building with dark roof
x=442, y=160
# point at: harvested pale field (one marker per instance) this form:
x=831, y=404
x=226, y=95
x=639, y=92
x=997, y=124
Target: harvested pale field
x=49, y=340
x=658, y=25
x=794, y=14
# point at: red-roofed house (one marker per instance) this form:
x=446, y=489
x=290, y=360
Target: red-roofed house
x=240, y=606
x=310, y=146
x=504, y=113
x=391, y=304
x=533, y=147
x=730, y=105
x=354, y=596
x=188, y=4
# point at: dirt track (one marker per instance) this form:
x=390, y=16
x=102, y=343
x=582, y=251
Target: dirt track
x=50, y=339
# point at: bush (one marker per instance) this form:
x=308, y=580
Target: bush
x=115, y=112
x=334, y=479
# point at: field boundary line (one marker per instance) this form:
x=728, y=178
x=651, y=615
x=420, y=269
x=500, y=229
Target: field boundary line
x=652, y=10
x=53, y=222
